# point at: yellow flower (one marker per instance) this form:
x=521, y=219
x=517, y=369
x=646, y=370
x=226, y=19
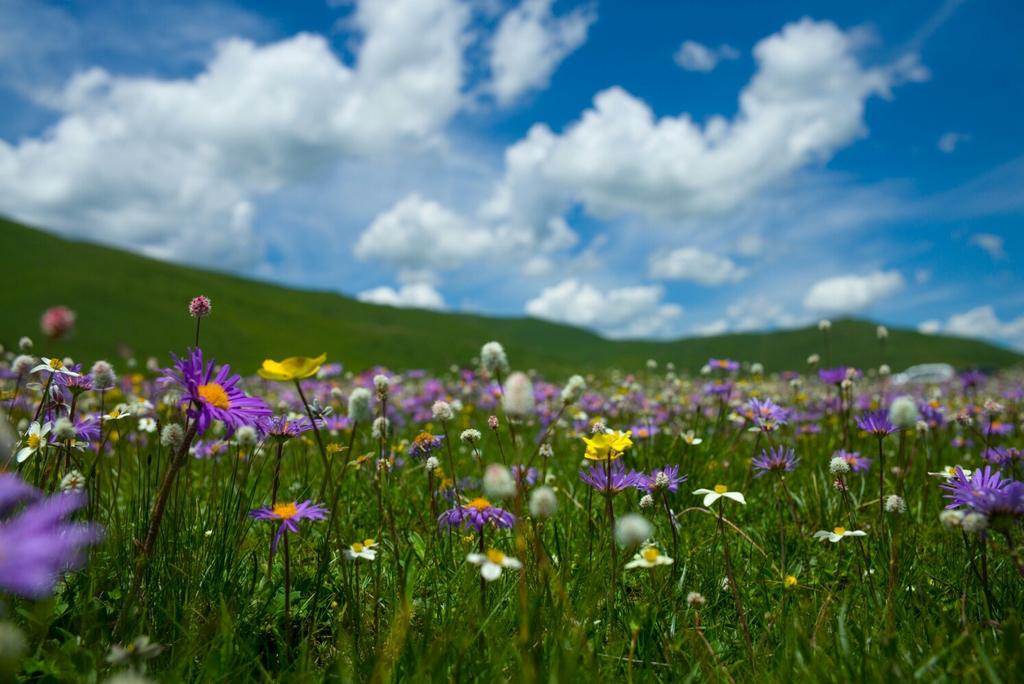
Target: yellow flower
x=293, y=368
x=791, y=581
x=607, y=445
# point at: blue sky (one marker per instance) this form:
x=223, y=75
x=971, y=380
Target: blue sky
x=641, y=169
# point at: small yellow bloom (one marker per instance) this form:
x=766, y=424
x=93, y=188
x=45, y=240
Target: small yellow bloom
x=790, y=581
x=607, y=445
x=292, y=368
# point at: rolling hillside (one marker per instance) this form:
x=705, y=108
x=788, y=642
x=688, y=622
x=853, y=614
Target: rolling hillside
x=125, y=300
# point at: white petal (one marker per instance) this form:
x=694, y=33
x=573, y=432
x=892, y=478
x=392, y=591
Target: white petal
x=833, y=537
x=735, y=496
x=701, y=491
x=638, y=563
x=510, y=562
x=710, y=498
x=821, y=534
x=23, y=454
x=857, y=533
x=490, y=571
x=476, y=558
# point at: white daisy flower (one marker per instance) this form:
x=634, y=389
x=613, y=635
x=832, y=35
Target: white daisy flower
x=691, y=438
x=147, y=424
x=649, y=558
x=364, y=549
x=720, y=490
x=492, y=563
x=949, y=472
x=35, y=440
x=838, y=533
x=55, y=366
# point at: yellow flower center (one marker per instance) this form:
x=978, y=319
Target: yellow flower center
x=840, y=531
x=721, y=489
x=285, y=511
x=357, y=547
x=214, y=395
x=34, y=441
x=650, y=554
x=479, y=503
x=791, y=581
x=368, y=542
x=56, y=364
x=496, y=557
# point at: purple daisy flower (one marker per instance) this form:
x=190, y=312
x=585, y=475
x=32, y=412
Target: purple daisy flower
x=857, y=463
x=724, y=365
x=778, y=459
x=598, y=477
x=289, y=514
x=1005, y=502
x=663, y=479
x=983, y=483
x=528, y=475
x=476, y=514
x=38, y=542
x=877, y=423
x=833, y=376
x=213, y=397
x=283, y=427
x=765, y=414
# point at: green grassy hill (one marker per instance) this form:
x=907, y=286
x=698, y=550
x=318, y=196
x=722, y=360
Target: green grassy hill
x=126, y=300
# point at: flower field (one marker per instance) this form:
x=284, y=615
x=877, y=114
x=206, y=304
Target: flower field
x=182, y=519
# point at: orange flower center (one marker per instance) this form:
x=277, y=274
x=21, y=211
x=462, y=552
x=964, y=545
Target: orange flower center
x=214, y=395
x=285, y=511
x=479, y=503
x=650, y=554
x=496, y=557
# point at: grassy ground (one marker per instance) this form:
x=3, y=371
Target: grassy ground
x=124, y=301
x=910, y=601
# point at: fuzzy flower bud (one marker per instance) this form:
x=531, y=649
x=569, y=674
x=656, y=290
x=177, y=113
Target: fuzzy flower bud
x=518, y=395
x=470, y=437
x=646, y=501
x=381, y=428
x=882, y=332
x=546, y=450
x=493, y=359
x=432, y=464
x=695, y=600
x=975, y=522
x=813, y=360
x=824, y=324
x=359, y=405
x=103, y=376
x=172, y=436
x=382, y=383
x=498, y=482
x=632, y=529
x=63, y=430
x=573, y=389
x=951, y=519
x=22, y=364
x=492, y=422
x=246, y=437
x=895, y=504
x=884, y=370
x=25, y=344
x=903, y=412
x=543, y=502
x=57, y=322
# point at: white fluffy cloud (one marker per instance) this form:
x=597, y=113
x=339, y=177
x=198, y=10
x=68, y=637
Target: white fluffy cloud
x=690, y=263
x=851, y=293
x=637, y=311
x=529, y=45
x=991, y=243
x=948, y=142
x=174, y=167
x=417, y=295
x=805, y=102
x=694, y=56
x=417, y=233
x=981, y=321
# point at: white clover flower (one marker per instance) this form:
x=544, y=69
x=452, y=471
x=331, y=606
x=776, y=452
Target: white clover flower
x=470, y=437
x=543, y=502
x=246, y=436
x=813, y=360
x=720, y=490
x=493, y=359
x=756, y=368
x=432, y=464
x=147, y=424
x=838, y=466
x=359, y=405
x=492, y=563
x=951, y=518
x=518, y=395
x=895, y=504
x=646, y=501
x=442, y=411
x=824, y=324
x=632, y=529
x=884, y=370
x=695, y=599
x=382, y=383
x=838, y=533
x=103, y=376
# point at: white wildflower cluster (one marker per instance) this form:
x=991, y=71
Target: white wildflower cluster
x=573, y=389
x=543, y=502
x=632, y=529
x=359, y=405
x=903, y=412
x=838, y=466
x=442, y=411
x=470, y=437
x=518, y=395
x=493, y=359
